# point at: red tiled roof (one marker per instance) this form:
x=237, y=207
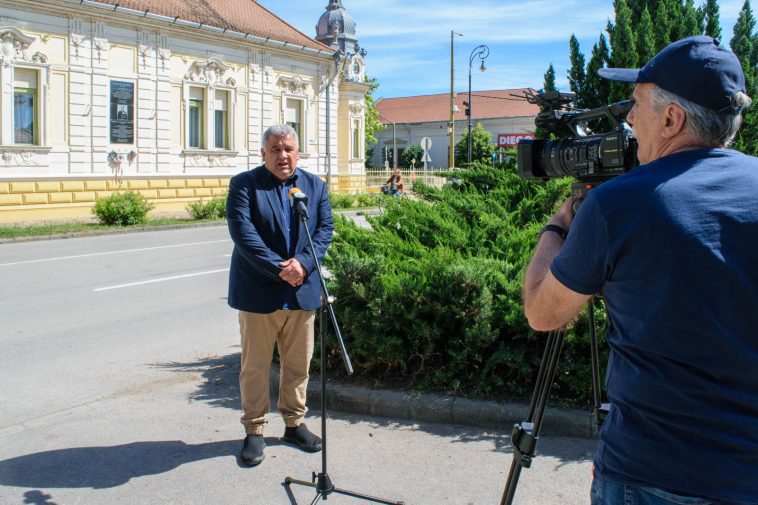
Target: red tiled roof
x=429, y=108
x=244, y=16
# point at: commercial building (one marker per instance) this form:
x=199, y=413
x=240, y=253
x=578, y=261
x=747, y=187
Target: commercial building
x=504, y=113
x=166, y=97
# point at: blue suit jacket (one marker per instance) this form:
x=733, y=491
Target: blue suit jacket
x=253, y=214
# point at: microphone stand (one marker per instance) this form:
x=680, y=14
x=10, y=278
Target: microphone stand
x=321, y=481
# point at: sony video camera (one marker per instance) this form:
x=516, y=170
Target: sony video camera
x=591, y=158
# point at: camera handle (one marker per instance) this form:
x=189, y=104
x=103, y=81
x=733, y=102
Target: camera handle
x=525, y=434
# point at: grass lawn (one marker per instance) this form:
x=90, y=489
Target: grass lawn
x=13, y=231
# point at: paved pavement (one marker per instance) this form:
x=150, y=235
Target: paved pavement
x=175, y=441
x=130, y=395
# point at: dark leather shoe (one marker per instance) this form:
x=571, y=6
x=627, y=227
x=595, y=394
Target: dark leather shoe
x=303, y=438
x=252, y=450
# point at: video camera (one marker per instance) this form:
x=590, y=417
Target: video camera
x=591, y=158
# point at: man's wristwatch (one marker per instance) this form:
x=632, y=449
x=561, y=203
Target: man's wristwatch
x=563, y=232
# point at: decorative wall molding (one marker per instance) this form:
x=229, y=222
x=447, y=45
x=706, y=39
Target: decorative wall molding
x=295, y=85
x=209, y=159
x=210, y=71
x=14, y=46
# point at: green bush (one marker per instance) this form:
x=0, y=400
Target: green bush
x=431, y=296
x=214, y=208
x=339, y=201
x=122, y=209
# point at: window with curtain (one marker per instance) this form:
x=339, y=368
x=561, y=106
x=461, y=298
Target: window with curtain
x=356, y=139
x=25, y=113
x=293, y=116
x=196, y=119
x=221, y=120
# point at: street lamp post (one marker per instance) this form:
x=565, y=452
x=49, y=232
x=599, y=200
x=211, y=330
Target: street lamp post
x=451, y=128
x=482, y=52
x=394, y=138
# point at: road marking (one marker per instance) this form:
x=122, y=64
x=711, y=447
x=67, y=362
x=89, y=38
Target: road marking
x=112, y=252
x=162, y=279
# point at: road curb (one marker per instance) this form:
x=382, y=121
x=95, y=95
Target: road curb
x=435, y=408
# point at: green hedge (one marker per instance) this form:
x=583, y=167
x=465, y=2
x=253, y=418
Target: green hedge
x=215, y=208
x=431, y=297
x=122, y=209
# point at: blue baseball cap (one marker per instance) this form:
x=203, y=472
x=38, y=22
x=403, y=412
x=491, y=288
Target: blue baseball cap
x=695, y=68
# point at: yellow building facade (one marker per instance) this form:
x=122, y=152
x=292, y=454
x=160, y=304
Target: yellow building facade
x=97, y=98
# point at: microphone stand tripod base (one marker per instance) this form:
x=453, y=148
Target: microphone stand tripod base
x=321, y=481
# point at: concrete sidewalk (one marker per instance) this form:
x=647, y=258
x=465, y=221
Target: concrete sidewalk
x=176, y=439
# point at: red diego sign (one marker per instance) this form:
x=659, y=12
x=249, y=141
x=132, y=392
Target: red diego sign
x=511, y=139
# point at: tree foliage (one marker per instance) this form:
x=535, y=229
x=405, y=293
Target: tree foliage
x=482, y=146
x=372, y=123
x=412, y=156
x=640, y=29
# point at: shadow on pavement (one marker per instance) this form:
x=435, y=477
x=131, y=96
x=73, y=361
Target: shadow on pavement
x=220, y=388
x=107, y=467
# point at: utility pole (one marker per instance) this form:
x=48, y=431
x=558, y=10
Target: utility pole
x=451, y=128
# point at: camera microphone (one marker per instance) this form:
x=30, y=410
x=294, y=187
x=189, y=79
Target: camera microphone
x=299, y=201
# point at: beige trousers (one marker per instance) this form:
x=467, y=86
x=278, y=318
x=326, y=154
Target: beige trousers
x=292, y=332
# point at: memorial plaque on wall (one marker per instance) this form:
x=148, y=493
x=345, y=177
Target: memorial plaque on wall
x=122, y=112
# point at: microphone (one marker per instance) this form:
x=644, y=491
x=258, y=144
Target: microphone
x=299, y=201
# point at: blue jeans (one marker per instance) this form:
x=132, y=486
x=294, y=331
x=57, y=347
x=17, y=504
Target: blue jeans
x=608, y=492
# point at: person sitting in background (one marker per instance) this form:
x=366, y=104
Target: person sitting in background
x=394, y=185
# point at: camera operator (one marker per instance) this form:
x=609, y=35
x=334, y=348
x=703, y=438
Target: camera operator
x=672, y=246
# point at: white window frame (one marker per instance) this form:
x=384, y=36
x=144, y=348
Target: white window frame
x=209, y=117
x=303, y=134
x=8, y=104
x=361, y=153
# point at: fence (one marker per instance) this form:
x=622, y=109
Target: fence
x=373, y=180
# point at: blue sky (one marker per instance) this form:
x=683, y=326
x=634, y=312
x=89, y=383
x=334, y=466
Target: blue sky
x=408, y=41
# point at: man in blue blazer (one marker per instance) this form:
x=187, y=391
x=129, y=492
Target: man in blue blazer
x=274, y=287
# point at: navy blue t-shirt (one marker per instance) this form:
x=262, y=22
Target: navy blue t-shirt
x=673, y=247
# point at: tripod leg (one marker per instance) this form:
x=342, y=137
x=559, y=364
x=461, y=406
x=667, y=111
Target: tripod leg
x=525, y=434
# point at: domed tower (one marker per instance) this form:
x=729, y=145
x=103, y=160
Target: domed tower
x=337, y=29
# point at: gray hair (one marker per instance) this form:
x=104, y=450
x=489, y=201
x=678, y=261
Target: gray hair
x=711, y=128
x=280, y=130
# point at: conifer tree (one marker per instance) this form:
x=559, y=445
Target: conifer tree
x=549, y=84
x=662, y=32
x=645, y=38
x=690, y=25
x=712, y=24
x=745, y=46
x=576, y=75
x=676, y=20
x=598, y=89
x=623, y=48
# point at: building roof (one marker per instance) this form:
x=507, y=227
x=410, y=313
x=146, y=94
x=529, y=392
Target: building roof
x=243, y=16
x=432, y=108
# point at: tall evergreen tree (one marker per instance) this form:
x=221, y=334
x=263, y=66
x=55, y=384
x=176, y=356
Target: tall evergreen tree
x=676, y=19
x=549, y=84
x=690, y=25
x=745, y=46
x=623, y=48
x=645, y=38
x=576, y=75
x=597, y=88
x=712, y=24
x=662, y=32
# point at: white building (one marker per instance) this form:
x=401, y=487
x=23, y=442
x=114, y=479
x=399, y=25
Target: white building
x=166, y=98
x=504, y=113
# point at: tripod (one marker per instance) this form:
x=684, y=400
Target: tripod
x=526, y=433
x=321, y=481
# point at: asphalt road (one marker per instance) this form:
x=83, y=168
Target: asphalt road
x=118, y=385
